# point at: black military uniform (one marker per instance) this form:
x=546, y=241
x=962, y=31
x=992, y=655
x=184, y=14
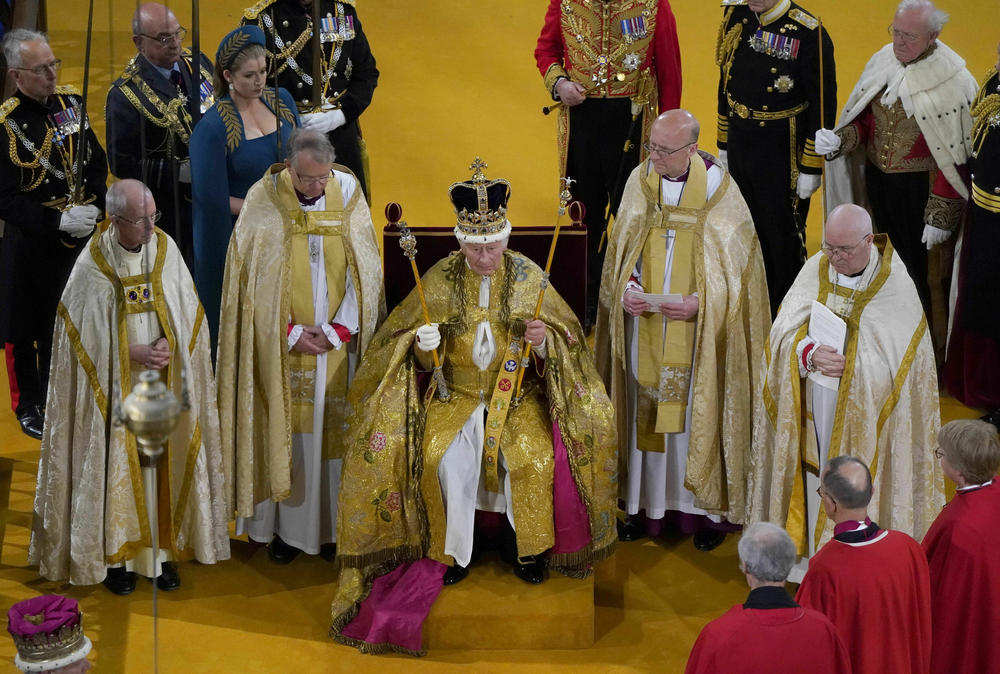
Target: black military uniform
x=769, y=111
x=36, y=257
x=149, y=123
x=970, y=372
x=348, y=65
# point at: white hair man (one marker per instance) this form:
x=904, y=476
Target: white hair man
x=862, y=380
x=871, y=583
x=535, y=461
x=301, y=299
x=907, y=120
x=49, y=212
x=129, y=306
x=683, y=460
x=769, y=632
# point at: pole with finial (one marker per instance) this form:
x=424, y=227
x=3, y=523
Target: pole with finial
x=822, y=125
x=576, y=212
x=408, y=242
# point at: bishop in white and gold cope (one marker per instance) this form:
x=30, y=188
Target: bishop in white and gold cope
x=851, y=341
x=682, y=375
x=129, y=305
x=301, y=298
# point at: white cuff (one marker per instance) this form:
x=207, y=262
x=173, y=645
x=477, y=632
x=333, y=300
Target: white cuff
x=332, y=335
x=293, y=336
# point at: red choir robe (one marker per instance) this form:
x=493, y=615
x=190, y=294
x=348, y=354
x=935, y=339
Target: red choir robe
x=769, y=633
x=963, y=552
x=877, y=593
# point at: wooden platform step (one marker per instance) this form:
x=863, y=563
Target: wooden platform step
x=493, y=609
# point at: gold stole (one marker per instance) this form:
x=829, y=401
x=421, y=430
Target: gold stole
x=302, y=367
x=666, y=348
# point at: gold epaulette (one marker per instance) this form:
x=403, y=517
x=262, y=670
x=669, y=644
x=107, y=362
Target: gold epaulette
x=733, y=3
x=806, y=19
x=251, y=13
x=66, y=90
x=348, y=2
x=7, y=107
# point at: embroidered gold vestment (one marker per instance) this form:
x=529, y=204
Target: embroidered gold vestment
x=887, y=410
x=729, y=332
x=90, y=509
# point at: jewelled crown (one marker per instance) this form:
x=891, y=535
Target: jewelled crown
x=47, y=632
x=480, y=207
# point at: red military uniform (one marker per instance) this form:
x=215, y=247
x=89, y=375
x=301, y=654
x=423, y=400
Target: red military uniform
x=591, y=42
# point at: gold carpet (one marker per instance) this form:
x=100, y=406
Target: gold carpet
x=458, y=80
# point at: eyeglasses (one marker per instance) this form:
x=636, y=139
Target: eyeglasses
x=904, y=36
x=662, y=151
x=312, y=180
x=166, y=38
x=938, y=453
x=144, y=220
x=842, y=250
x=41, y=69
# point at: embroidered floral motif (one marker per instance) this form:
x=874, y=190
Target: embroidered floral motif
x=387, y=503
x=376, y=443
x=674, y=384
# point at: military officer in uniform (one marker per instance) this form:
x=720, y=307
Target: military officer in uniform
x=768, y=53
x=49, y=214
x=150, y=114
x=610, y=65
x=348, y=74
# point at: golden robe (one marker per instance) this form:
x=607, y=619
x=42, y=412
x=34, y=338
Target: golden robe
x=887, y=410
x=83, y=524
x=254, y=364
x=391, y=510
x=731, y=324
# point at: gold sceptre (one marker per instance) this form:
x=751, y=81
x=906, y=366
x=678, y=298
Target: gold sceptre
x=408, y=242
x=617, y=77
x=576, y=213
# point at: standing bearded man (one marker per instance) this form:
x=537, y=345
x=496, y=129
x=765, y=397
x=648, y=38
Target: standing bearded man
x=151, y=112
x=683, y=228
x=871, y=393
x=611, y=65
x=301, y=298
x=901, y=146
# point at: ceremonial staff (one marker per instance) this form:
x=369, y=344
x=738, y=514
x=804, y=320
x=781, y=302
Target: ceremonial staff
x=576, y=214
x=822, y=125
x=317, y=60
x=619, y=77
x=195, y=101
x=408, y=242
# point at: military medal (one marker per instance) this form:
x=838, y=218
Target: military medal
x=634, y=29
x=772, y=44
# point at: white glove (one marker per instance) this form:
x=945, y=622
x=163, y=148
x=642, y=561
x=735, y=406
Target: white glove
x=724, y=159
x=428, y=337
x=807, y=184
x=79, y=221
x=184, y=171
x=934, y=235
x=324, y=122
x=826, y=142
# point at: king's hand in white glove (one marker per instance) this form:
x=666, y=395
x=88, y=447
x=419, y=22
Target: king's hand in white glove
x=428, y=337
x=826, y=142
x=934, y=235
x=79, y=221
x=807, y=184
x=324, y=122
x=724, y=159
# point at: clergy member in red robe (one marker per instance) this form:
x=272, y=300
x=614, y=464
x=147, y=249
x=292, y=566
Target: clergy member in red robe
x=769, y=632
x=871, y=583
x=963, y=551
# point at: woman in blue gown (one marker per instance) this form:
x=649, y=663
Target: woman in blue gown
x=231, y=148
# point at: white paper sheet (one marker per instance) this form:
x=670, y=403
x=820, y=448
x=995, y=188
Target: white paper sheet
x=828, y=329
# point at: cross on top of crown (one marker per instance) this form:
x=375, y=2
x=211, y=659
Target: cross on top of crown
x=477, y=166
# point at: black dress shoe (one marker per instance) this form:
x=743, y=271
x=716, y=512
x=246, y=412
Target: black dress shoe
x=991, y=418
x=708, y=539
x=455, y=574
x=631, y=529
x=281, y=552
x=31, y=421
x=119, y=581
x=328, y=551
x=532, y=572
x=168, y=579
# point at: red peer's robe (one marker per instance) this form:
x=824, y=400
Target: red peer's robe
x=963, y=552
x=786, y=640
x=877, y=594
